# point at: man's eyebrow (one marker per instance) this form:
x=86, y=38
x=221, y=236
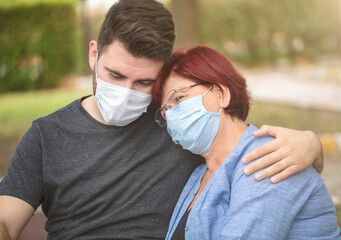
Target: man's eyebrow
x=123, y=76
x=115, y=72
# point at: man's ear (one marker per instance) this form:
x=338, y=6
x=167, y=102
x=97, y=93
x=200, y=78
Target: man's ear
x=223, y=94
x=92, y=54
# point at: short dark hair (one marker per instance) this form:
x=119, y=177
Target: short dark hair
x=203, y=64
x=144, y=27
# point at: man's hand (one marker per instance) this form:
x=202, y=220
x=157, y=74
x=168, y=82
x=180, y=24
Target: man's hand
x=291, y=152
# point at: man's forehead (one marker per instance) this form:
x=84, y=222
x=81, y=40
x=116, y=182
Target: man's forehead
x=116, y=53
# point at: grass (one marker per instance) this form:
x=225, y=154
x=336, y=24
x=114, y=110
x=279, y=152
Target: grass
x=319, y=121
x=18, y=110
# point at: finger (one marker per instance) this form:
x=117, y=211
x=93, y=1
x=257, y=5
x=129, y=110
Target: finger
x=261, y=131
x=272, y=170
x=285, y=173
x=266, y=130
x=265, y=161
x=260, y=151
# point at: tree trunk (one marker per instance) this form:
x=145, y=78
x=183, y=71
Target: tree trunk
x=185, y=18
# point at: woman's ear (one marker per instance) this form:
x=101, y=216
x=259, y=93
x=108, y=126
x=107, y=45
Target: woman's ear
x=92, y=54
x=223, y=94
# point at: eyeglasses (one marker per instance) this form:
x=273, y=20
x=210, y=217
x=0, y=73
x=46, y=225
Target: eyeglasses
x=171, y=101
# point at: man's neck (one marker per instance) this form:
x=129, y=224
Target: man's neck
x=89, y=104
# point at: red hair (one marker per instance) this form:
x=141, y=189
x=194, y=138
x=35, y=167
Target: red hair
x=206, y=65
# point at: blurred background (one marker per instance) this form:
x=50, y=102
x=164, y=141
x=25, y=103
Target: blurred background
x=289, y=51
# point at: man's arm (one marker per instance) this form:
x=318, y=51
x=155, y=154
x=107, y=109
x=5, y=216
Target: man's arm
x=291, y=152
x=14, y=215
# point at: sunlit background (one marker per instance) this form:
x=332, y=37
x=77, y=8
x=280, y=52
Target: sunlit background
x=288, y=50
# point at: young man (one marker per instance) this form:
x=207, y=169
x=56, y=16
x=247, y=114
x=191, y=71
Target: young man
x=101, y=167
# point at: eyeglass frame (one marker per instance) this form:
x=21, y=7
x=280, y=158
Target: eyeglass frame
x=163, y=108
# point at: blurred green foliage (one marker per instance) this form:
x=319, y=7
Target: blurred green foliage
x=263, y=30
x=39, y=43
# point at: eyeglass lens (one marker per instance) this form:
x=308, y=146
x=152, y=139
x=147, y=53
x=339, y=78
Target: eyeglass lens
x=171, y=100
x=160, y=117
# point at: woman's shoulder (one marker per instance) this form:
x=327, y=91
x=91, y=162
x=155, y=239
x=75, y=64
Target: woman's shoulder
x=254, y=142
x=250, y=143
x=308, y=181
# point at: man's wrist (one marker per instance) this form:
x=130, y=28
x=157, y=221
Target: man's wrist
x=316, y=144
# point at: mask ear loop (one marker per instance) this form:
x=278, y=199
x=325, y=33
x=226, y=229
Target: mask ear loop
x=207, y=90
x=96, y=65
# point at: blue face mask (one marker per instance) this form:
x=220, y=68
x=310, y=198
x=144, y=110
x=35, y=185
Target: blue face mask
x=192, y=126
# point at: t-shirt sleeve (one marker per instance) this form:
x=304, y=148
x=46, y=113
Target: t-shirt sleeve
x=262, y=210
x=24, y=178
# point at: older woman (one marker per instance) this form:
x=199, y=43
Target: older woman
x=204, y=105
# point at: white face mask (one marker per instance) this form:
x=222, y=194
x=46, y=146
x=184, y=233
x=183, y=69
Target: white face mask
x=119, y=105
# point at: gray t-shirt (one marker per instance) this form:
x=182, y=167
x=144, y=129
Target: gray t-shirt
x=96, y=181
